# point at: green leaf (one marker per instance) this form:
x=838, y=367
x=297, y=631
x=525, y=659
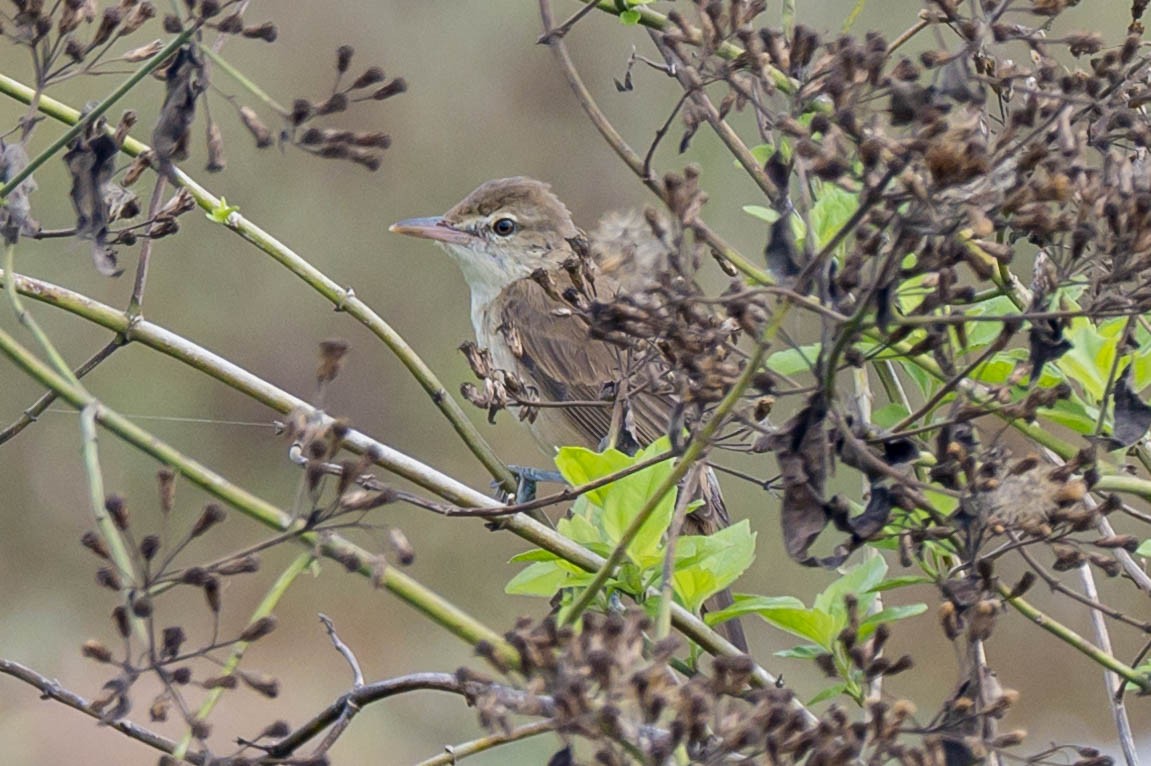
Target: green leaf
x=889, y=614
x=793, y=361
x=889, y=414
x=830, y=212
x=622, y=499
x=706, y=564
x=580, y=465
x=630, y=18
x=755, y=604
x=816, y=626
x=1089, y=360
x=535, y=554
x=220, y=213
x=980, y=334
x=762, y=213
x=828, y=693
x=543, y=578
x=762, y=153
x=857, y=581
x=892, y=583
x=1144, y=549
x=805, y=652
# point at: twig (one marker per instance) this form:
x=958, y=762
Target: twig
x=50, y=689
x=36, y=409
x=1076, y=641
x=427, y=601
x=454, y=753
x=135, y=303
x=374, y=692
x=343, y=298
x=1110, y=680
x=344, y=650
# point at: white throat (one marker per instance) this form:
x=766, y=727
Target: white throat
x=487, y=274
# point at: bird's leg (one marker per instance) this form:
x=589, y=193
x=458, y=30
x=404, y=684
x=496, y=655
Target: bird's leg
x=527, y=478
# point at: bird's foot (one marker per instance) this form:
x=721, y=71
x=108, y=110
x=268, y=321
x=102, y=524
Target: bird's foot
x=527, y=479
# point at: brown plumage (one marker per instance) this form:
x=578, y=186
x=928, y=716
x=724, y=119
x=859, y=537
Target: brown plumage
x=510, y=236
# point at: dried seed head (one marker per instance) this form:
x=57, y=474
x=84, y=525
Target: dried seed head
x=120, y=620
x=114, y=505
x=256, y=127
x=241, y=565
x=266, y=686
x=200, y=729
x=142, y=606
x=266, y=32
x=173, y=639
x=344, y=57
x=405, y=554
x=332, y=352
x=370, y=77
x=276, y=730
x=220, y=682
x=93, y=542
x=212, y=594
x=394, y=88
x=149, y=546
x=259, y=629
x=108, y=578
x=231, y=24
x=94, y=650
x=212, y=515
x=216, y=161
x=166, y=481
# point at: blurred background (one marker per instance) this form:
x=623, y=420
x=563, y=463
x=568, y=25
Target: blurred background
x=483, y=101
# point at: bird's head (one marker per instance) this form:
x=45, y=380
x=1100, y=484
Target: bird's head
x=501, y=232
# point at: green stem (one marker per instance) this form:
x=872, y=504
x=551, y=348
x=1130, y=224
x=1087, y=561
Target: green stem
x=96, y=112
x=422, y=598
x=695, y=450
x=264, y=609
x=659, y=22
x=242, y=79
x=344, y=299
x=454, y=754
x=117, y=549
x=1076, y=641
x=29, y=323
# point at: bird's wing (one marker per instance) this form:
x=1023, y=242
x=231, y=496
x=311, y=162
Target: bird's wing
x=567, y=365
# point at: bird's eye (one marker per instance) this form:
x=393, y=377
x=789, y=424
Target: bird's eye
x=505, y=227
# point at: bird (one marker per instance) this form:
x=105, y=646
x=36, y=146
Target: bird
x=516, y=244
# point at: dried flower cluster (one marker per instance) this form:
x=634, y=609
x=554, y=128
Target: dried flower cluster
x=608, y=687
x=75, y=38
x=154, y=642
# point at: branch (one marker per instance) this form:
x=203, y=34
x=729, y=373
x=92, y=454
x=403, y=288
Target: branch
x=343, y=298
x=52, y=690
x=408, y=589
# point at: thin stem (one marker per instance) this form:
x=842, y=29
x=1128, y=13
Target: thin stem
x=265, y=608
x=32, y=413
x=343, y=298
x=1110, y=680
x=135, y=303
x=1076, y=641
x=243, y=80
x=96, y=112
x=695, y=450
x=422, y=598
x=51, y=689
x=454, y=753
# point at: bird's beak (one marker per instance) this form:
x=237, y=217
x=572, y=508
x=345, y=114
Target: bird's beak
x=435, y=228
